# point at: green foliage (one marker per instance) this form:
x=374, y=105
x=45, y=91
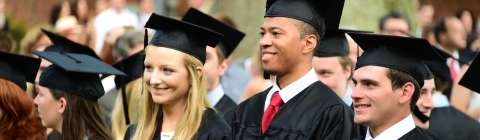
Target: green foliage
x=17, y=30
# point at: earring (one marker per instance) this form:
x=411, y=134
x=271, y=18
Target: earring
x=58, y=111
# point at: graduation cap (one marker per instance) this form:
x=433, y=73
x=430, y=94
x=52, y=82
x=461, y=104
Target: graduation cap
x=182, y=36
x=18, y=69
x=321, y=14
x=471, y=77
x=62, y=44
x=232, y=36
x=334, y=43
x=401, y=53
x=427, y=75
x=132, y=66
x=75, y=73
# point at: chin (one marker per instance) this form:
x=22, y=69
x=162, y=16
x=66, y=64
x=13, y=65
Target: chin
x=361, y=120
x=159, y=100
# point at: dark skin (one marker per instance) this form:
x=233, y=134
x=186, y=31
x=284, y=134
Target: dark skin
x=284, y=53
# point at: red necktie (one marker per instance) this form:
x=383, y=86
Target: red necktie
x=453, y=72
x=275, y=103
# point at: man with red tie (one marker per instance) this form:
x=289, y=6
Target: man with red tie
x=297, y=105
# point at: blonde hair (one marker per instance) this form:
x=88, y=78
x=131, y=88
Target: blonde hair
x=133, y=93
x=197, y=102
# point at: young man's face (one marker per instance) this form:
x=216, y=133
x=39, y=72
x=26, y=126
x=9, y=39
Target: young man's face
x=425, y=102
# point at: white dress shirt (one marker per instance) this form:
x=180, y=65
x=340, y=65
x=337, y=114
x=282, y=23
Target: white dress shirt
x=216, y=95
x=347, y=97
x=440, y=100
x=293, y=89
x=109, y=19
x=396, y=131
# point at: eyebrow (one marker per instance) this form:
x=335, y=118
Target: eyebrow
x=366, y=81
x=271, y=28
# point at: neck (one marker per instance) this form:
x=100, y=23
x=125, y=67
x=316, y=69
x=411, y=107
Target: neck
x=290, y=77
x=172, y=114
x=215, y=85
x=58, y=127
x=377, y=130
x=343, y=90
x=449, y=49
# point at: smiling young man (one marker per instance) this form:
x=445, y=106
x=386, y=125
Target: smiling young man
x=215, y=64
x=388, y=79
x=297, y=105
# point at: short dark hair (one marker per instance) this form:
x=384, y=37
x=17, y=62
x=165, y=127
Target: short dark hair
x=305, y=29
x=393, y=14
x=440, y=27
x=399, y=79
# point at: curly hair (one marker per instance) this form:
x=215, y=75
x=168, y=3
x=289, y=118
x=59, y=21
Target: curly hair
x=19, y=119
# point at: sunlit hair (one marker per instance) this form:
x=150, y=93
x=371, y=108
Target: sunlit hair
x=346, y=62
x=133, y=93
x=19, y=118
x=197, y=102
x=82, y=118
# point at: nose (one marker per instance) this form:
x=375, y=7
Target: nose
x=265, y=41
x=357, y=93
x=155, y=78
x=35, y=101
x=428, y=102
x=37, y=78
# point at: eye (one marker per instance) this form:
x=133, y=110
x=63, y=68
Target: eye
x=276, y=33
x=325, y=73
x=262, y=34
x=148, y=68
x=369, y=84
x=167, y=70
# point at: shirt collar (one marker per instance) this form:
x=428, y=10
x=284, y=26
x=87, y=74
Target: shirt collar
x=454, y=54
x=293, y=89
x=396, y=131
x=346, y=98
x=215, y=95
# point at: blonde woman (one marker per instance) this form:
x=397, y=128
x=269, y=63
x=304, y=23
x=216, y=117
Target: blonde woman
x=175, y=105
x=132, y=83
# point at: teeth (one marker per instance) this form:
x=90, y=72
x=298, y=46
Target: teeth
x=363, y=106
x=268, y=54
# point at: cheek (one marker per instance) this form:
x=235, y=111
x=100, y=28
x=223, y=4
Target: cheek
x=146, y=77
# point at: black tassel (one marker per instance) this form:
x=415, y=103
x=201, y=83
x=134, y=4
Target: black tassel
x=124, y=98
x=422, y=117
x=145, y=39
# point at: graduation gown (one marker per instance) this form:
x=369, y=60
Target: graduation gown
x=452, y=124
x=315, y=113
x=225, y=106
x=414, y=134
x=213, y=127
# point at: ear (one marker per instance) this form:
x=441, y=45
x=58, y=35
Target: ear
x=406, y=93
x=442, y=36
x=222, y=68
x=63, y=106
x=199, y=71
x=310, y=44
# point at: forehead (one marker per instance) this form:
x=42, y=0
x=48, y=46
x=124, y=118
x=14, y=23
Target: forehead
x=161, y=55
x=279, y=22
x=376, y=73
x=428, y=84
x=325, y=62
x=211, y=50
x=395, y=22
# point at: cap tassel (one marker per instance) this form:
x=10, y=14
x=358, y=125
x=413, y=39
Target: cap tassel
x=145, y=42
x=124, y=99
x=422, y=117
x=358, y=51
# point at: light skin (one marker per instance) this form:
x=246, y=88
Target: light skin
x=51, y=111
x=425, y=103
x=284, y=54
x=466, y=19
x=376, y=104
x=118, y=5
x=165, y=76
x=395, y=26
x=425, y=15
x=331, y=73
x=461, y=96
x=213, y=69
x=455, y=37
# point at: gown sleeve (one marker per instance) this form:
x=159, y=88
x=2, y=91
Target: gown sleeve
x=336, y=123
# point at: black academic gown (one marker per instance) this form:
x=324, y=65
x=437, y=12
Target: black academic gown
x=414, y=134
x=213, y=127
x=316, y=113
x=225, y=106
x=452, y=124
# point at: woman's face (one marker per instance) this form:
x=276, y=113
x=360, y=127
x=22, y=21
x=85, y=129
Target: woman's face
x=166, y=76
x=65, y=10
x=49, y=109
x=82, y=9
x=466, y=19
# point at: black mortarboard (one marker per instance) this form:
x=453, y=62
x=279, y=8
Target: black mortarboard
x=427, y=74
x=445, y=55
x=18, y=69
x=182, y=36
x=132, y=66
x=401, y=53
x=62, y=44
x=232, y=36
x=75, y=73
x=471, y=78
x=334, y=43
x=321, y=14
